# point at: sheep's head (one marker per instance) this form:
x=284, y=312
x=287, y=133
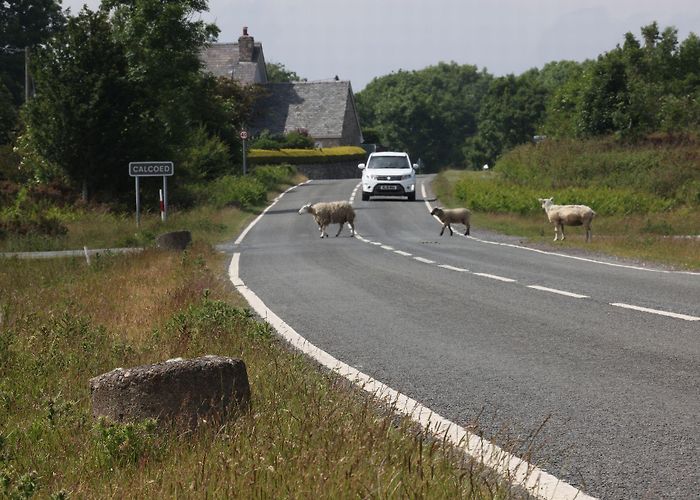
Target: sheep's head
x=545, y=201
x=437, y=211
x=305, y=209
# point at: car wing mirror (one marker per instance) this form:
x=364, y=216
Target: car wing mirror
x=361, y=166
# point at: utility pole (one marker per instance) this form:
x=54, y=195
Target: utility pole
x=26, y=74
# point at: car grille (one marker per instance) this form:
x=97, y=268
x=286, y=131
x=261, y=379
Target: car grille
x=388, y=177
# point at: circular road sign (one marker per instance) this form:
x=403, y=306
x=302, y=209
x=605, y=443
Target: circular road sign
x=244, y=134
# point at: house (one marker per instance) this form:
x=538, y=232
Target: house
x=243, y=61
x=325, y=109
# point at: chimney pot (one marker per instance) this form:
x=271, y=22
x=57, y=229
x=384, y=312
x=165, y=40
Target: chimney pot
x=245, y=30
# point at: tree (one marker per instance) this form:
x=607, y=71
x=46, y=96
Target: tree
x=23, y=25
x=510, y=113
x=82, y=117
x=427, y=113
x=278, y=73
x=162, y=41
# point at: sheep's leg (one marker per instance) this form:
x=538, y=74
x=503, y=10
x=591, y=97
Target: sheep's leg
x=323, y=231
x=340, y=228
x=443, y=229
x=561, y=230
x=589, y=236
x=466, y=233
x=556, y=232
x=449, y=226
x=352, y=228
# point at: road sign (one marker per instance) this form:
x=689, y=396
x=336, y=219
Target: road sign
x=244, y=134
x=151, y=168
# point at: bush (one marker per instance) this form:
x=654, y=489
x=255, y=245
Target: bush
x=272, y=176
x=245, y=192
x=207, y=157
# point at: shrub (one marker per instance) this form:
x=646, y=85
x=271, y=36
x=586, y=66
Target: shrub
x=272, y=176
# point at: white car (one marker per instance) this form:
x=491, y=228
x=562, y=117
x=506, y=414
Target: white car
x=388, y=174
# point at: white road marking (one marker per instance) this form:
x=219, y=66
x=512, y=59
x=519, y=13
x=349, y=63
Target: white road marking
x=375, y=243
x=535, y=480
x=560, y=292
x=452, y=268
x=401, y=252
x=387, y=247
x=424, y=260
x=656, y=311
x=494, y=277
x=255, y=221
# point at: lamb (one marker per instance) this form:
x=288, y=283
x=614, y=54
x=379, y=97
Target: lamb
x=332, y=212
x=449, y=215
x=569, y=215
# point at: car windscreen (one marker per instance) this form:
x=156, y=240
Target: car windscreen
x=388, y=162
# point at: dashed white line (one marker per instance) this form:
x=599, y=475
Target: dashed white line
x=401, y=252
x=560, y=292
x=386, y=247
x=656, y=311
x=452, y=268
x=424, y=260
x=495, y=277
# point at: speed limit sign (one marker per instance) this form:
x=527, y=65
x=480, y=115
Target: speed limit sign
x=244, y=134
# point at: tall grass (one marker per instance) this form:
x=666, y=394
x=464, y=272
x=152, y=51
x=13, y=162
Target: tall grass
x=663, y=236
x=307, y=433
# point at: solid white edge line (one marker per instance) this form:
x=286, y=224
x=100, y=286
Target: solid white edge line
x=656, y=311
x=517, y=471
x=538, y=482
x=560, y=292
x=495, y=277
x=274, y=202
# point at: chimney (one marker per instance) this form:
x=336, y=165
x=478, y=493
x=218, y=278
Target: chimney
x=246, y=43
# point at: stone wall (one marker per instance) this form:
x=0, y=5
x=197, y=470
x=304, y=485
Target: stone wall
x=340, y=170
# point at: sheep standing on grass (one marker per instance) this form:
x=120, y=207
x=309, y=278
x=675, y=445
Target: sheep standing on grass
x=449, y=215
x=332, y=212
x=567, y=215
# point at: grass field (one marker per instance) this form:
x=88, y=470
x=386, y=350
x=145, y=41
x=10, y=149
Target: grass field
x=668, y=237
x=308, y=434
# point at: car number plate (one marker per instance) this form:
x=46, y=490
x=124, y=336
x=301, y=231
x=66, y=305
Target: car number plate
x=389, y=187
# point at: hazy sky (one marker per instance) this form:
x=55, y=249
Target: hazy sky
x=363, y=39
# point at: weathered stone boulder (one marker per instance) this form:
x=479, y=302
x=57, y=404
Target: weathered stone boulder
x=180, y=391
x=175, y=240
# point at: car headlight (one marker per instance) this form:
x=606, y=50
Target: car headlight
x=405, y=177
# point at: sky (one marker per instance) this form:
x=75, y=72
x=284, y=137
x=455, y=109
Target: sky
x=360, y=40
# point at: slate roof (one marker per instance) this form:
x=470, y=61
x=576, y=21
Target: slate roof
x=222, y=59
x=319, y=107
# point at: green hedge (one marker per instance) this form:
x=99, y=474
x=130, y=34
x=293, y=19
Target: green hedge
x=302, y=156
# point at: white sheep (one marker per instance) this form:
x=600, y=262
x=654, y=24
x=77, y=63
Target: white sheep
x=567, y=215
x=449, y=215
x=331, y=212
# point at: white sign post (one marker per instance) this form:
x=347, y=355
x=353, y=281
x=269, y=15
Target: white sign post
x=151, y=169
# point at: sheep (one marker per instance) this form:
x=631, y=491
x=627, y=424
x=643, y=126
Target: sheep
x=332, y=212
x=569, y=215
x=449, y=215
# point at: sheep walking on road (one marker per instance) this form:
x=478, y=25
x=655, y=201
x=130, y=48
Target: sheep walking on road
x=567, y=215
x=332, y=212
x=450, y=215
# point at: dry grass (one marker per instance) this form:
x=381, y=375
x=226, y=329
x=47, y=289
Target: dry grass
x=307, y=435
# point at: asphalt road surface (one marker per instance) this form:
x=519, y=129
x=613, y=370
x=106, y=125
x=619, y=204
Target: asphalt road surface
x=600, y=362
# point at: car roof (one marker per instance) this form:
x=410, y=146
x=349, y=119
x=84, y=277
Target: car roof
x=390, y=153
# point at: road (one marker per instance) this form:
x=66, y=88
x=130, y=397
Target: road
x=603, y=360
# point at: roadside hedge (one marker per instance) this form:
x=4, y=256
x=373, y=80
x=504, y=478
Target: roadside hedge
x=305, y=156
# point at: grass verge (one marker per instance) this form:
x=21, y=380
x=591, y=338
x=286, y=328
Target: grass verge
x=667, y=237
x=307, y=434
